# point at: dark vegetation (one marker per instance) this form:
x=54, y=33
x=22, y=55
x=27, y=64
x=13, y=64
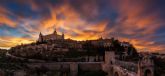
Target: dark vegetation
x=159, y=66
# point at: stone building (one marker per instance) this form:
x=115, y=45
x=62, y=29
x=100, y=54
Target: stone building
x=53, y=36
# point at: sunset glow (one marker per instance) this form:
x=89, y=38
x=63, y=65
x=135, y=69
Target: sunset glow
x=141, y=22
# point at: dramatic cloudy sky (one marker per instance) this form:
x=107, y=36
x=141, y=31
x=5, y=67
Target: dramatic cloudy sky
x=141, y=22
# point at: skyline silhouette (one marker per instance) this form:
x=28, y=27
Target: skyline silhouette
x=139, y=22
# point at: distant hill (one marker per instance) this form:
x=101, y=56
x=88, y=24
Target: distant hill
x=70, y=48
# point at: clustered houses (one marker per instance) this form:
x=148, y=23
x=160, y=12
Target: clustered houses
x=70, y=57
x=54, y=46
x=33, y=50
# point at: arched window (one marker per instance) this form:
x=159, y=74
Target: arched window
x=116, y=74
x=147, y=73
x=111, y=63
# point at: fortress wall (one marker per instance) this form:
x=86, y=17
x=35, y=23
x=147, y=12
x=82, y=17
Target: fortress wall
x=90, y=66
x=86, y=66
x=51, y=66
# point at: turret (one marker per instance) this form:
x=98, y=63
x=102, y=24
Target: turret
x=40, y=39
x=109, y=61
x=101, y=38
x=63, y=36
x=40, y=35
x=55, y=32
x=146, y=67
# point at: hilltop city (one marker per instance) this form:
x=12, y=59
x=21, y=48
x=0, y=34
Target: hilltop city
x=56, y=47
x=53, y=55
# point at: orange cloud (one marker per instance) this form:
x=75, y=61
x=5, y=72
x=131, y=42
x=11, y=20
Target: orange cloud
x=72, y=23
x=7, y=41
x=143, y=46
x=7, y=21
x=133, y=19
x=133, y=15
x=4, y=18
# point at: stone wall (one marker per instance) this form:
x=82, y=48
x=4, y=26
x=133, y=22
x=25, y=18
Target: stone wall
x=72, y=67
x=90, y=66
